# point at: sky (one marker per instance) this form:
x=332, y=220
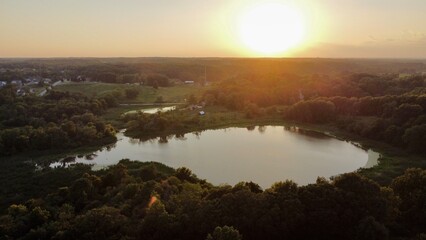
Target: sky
x=206, y=28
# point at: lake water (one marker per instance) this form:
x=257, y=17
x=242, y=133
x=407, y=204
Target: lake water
x=260, y=154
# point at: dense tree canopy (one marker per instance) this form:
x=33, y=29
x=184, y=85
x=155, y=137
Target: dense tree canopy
x=140, y=200
x=57, y=121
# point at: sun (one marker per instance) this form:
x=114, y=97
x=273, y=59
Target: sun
x=271, y=29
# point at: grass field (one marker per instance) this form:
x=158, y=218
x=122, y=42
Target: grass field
x=147, y=94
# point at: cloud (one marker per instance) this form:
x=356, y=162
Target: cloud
x=403, y=38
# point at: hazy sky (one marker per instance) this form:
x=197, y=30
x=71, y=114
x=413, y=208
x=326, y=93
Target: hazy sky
x=208, y=28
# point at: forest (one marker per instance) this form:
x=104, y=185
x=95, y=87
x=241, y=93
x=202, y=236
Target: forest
x=57, y=121
x=377, y=101
x=134, y=200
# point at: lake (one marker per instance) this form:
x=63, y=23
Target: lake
x=264, y=154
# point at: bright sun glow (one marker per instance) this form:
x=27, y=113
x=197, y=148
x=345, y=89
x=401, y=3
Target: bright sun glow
x=271, y=29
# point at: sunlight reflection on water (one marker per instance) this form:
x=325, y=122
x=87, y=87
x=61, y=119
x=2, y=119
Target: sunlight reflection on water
x=263, y=154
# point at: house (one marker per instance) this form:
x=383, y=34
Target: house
x=202, y=113
x=194, y=107
x=20, y=92
x=56, y=83
x=16, y=82
x=2, y=84
x=403, y=75
x=189, y=82
x=32, y=81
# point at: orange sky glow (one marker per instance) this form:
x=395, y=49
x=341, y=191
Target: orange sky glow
x=213, y=28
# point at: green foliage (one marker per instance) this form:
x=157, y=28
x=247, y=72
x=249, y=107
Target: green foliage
x=415, y=138
x=185, y=174
x=159, y=99
x=57, y=121
x=157, y=80
x=406, y=112
x=192, y=99
x=131, y=93
x=100, y=223
x=224, y=233
x=370, y=229
x=252, y=110
x=313, y=111
x=118, y=203
x=411, y=188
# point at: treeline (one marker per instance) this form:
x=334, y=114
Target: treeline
x=377, y=107
x=144, y=125
x=134, y=200
x=398, y=120
x=218, y=69
x=288, y=89
x=56, y=121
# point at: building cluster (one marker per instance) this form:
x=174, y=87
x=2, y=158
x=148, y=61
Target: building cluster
x=31, y=85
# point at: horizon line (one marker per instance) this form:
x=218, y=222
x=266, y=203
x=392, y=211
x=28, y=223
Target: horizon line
x=206, y=57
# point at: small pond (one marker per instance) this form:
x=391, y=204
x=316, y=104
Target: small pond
x=152, y=110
